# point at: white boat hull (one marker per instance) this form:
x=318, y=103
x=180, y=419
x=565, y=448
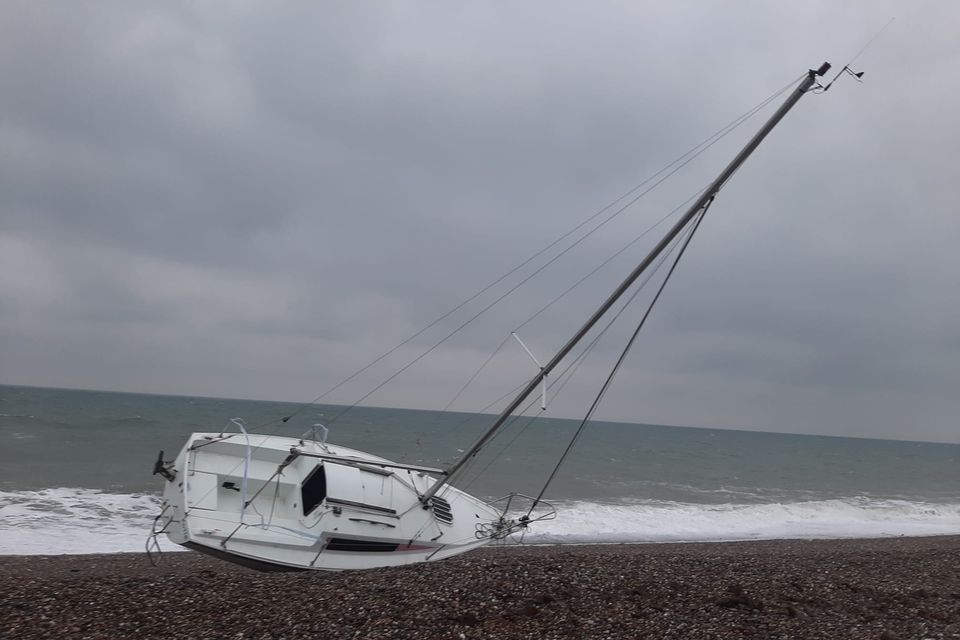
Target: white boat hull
x=274, y=502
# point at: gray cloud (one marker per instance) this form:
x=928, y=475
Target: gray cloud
x=254, y=202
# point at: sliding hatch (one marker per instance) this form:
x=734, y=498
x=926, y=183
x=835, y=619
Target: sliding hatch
x=348, y=485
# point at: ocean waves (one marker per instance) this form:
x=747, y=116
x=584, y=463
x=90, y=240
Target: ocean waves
x=75, y=521
x=665, y=521
x=82, y=521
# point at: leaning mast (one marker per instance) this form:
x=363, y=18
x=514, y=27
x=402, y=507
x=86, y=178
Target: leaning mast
x=703, y=201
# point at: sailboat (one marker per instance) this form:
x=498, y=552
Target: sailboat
x=284, y=503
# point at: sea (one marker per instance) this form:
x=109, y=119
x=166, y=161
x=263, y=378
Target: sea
x=76, y=471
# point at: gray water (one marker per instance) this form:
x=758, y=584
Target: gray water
x=63, y=450
x=108, y=441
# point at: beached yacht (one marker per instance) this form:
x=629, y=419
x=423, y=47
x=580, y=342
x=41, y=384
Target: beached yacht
x=272, y=502
x=275, y=502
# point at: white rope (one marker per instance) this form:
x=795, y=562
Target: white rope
x=246, y=466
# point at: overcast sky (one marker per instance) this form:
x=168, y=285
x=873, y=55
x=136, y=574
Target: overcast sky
x=255, y=200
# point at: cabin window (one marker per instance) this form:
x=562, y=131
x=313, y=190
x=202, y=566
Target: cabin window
x=314, y=489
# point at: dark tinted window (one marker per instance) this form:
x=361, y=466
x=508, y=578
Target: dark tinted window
x=350, y=544
x=314, y=489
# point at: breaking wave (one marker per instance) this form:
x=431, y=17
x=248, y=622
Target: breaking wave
x=70, y=520
x=82, y=521
x=663, y=521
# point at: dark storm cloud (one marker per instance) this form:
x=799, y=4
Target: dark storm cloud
x=254, y=202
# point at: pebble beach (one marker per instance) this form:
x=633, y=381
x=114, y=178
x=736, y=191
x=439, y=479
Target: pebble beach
x=886, y=589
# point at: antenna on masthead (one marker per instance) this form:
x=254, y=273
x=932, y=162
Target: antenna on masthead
x=857, y=75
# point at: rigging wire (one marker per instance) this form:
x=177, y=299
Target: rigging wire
x=563, y=378
x=608, y=260
x=623, y=355
x=567, y=291
x=475, y=374
x=563, y=252
x=669, y=168
x=682, y=159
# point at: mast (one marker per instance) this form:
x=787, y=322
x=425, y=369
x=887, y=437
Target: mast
x=708, y=195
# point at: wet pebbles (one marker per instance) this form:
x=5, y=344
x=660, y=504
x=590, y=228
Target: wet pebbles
x=905, y=588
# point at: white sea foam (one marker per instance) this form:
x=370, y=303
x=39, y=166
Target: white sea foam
x=660, y=521
x=70, y=520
